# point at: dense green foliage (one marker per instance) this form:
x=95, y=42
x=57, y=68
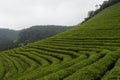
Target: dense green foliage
x=36, y=33
x=90, y=51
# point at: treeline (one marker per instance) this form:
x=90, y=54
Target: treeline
x=105, y=4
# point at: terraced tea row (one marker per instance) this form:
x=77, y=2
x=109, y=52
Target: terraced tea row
x=41, y=61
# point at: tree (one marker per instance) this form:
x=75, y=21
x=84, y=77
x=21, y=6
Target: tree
x=90, y=13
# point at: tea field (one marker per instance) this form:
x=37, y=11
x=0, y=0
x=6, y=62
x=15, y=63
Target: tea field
x=90, y=51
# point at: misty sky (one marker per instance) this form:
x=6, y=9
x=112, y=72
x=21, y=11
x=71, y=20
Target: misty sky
x=19, y=14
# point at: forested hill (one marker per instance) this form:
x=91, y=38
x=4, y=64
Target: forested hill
x=11, y=38
x=39, y=32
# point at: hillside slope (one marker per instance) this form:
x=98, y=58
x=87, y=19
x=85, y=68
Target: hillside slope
x=88, y=52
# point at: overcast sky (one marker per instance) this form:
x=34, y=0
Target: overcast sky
x=19, y=14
